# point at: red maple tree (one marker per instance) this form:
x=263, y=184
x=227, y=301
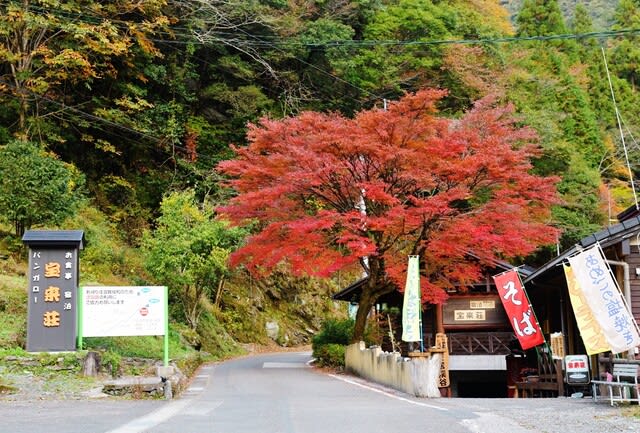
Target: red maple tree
x=326, y=192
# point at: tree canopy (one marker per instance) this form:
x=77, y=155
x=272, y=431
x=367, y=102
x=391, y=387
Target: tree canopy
x=188, y=251
x=35, y=187
x=327, y=191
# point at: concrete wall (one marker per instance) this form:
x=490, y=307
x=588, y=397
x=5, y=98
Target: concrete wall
x=416, y=376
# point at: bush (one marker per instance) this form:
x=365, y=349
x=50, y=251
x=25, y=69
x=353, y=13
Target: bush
x=335, y=331
x=329, y=344
x=330, y=355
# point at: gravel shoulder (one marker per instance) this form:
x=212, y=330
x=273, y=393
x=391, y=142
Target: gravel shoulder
x=548, y=415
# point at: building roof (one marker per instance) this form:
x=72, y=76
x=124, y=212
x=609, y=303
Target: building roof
x=54, y=238
x=351, y=293
x=606, y=237
x=630, y=212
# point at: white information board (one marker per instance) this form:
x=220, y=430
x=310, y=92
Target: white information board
x=119, y=311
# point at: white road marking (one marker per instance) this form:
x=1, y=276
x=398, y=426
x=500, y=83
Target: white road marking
x=487, y=422
x=195, y=388
x=284, y=365
x=388, y=394
x=201, y=409
x=156, y=417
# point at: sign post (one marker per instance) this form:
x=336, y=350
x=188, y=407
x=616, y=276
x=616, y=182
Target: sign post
x=122, y=311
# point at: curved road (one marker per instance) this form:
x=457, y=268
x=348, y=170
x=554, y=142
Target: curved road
x=280, y=393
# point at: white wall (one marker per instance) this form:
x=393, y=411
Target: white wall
x=416, y=376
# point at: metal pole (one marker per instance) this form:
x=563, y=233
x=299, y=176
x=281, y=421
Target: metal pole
x=166, y=326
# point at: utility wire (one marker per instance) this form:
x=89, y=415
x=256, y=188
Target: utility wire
x=206, y=159
x=264, y=40
x=624, y=145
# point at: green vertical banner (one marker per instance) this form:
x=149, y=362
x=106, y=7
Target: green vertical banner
x=412, y=305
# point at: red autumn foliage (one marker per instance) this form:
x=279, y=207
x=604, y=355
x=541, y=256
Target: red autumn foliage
x=432, y=186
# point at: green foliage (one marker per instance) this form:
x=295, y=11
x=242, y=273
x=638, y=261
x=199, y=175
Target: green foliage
x=334, y=331
x=540, y=17
x=600, y=11
x=214, y=338
x=36, y=188
x=188, y=252
x=329, y=344
x=13, y=319
x=111, y=361
x=106, y=257
x=329, y=355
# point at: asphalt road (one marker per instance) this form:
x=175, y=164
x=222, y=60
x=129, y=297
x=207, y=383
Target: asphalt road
x=280, y=393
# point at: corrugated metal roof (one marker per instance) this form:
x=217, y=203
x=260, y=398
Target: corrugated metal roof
x=54, y=237
x=606, y=237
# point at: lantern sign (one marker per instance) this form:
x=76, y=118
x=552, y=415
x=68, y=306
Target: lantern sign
x=518, y=309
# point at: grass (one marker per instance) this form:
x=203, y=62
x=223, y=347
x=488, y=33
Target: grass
x=631, y=411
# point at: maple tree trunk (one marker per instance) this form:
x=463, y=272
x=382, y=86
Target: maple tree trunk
x=364, y=307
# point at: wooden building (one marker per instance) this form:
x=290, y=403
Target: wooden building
x=547, y=286
x=480, y=342
x=485, y=359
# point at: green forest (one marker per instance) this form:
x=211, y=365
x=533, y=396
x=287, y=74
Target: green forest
x=116, y=115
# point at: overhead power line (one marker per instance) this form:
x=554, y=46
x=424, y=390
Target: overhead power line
x=189, y=36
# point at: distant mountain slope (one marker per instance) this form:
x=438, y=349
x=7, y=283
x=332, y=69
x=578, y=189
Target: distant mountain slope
x=600, y=10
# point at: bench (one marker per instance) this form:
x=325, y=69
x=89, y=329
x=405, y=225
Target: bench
x=624, y=382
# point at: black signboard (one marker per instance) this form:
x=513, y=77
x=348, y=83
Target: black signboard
x=52, y=287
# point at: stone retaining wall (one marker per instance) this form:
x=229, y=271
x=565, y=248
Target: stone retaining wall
x=416, y=376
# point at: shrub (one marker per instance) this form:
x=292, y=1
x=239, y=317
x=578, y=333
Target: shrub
x=330, y=355
x=335, y=331
x=329, y=344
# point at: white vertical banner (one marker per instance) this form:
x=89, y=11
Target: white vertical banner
x=603, y=296
x=412, y=304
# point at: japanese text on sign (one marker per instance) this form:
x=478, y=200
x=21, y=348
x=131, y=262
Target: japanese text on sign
x=518, y=309
x=123, y=311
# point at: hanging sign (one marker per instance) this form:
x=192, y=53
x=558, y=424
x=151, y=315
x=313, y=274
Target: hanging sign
x=590, y=330
x=518, y=309
x=604, y=299
x=412, y=304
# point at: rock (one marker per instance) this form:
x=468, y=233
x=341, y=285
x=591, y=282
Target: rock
x=91, y=364
x=273, y=329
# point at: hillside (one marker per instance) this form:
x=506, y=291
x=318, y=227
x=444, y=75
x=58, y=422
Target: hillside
x=601, y=11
